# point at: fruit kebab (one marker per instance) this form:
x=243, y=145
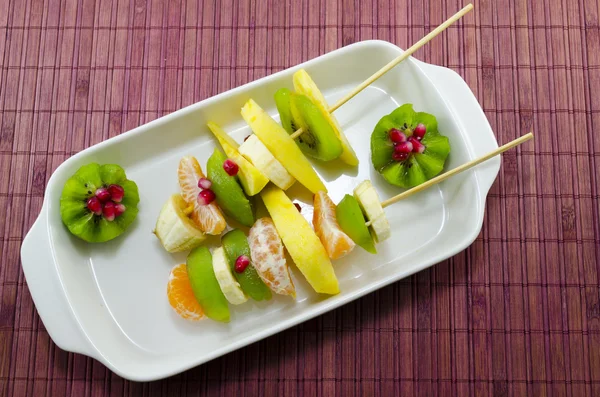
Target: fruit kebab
x=362, y=217
x=301, y=82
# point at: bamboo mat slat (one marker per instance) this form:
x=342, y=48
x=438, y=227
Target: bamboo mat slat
x=517, y=313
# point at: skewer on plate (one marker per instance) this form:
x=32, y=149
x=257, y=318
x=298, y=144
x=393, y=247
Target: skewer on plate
x=414, y=48
x=446, y=175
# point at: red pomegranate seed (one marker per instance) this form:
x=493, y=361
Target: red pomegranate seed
x=109, y=211
x=241, y=263
x=298, y=207
x=204, y=183
x=397, y=136
x=230, y=167
x=94, y=205
x=119, y=209
x=206, y=197
x=404, y=147
x=103, y=194
x=116, y=193
x=420, y=131
x=418, y=147
x=399, y=156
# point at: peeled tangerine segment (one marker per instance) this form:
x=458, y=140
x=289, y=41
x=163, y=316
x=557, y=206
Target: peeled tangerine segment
x=418, y=167
x=302, y=243
x=279, y=143
x=80, y=187
x=235, y=245
x=319, y=139
x=174, y=229
x=352, y=222
x=336, y=242
x=208, y=218
x=251, y=178
x=205, y=285
x=370, y=204
x=230, y=196
x=258, y=154
x=304, y=84
x=268, y=257
x=181, y=296
x=229, y=285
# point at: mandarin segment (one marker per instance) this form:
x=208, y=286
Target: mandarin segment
x=180, y=294
x=268, y=257
x=336, y=242
x=209, y=218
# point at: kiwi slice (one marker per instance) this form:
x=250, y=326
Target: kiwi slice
x=98, y=203
x=205, y=285
x=235, y=244
x=229, y=193
x=352, y=222
x=319, y=139
x=407, y=148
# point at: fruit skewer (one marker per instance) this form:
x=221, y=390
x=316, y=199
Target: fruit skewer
x=394, y=62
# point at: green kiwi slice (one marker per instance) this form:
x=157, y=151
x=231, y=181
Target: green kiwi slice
x=229, y=193
x=429, y=153
x=352, y=221
x=319, y=139
x=235, y=244
x=98, y=203
x=205, y=285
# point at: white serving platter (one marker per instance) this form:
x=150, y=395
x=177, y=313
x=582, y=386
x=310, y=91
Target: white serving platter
x=108, y=301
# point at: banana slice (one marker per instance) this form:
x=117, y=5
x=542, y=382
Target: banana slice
x=229, y=285
x=257, y=153
x=174, y=229
x=369, y=202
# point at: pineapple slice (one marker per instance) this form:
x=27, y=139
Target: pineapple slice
x=300, y=240
x=304, y=84
x=252, y=179
x=279, y=143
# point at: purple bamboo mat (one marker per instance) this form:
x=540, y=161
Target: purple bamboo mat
x=517, y=313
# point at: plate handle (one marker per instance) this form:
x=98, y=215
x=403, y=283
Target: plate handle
x=458, y=96
x=47, y=290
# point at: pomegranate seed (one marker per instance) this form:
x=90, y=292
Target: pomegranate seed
x=419, y=131
x=109, y=211
x=241, y=263
x=94, y=205
x=404, y=147
x=298, y=207
x=399, y=156
x=103, y=194
x=116, y=193
x=206, y=197
x=230, y=167
x=397, y=136
x=418, y=147
x=204, y=183
x=119, y=209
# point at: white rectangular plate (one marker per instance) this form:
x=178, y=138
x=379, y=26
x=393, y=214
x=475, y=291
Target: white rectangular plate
x=108, y=301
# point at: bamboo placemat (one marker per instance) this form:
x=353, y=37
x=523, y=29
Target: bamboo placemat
x=517, y=313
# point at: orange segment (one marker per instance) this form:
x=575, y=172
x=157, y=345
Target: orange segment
x=336, y=242
x=180, y=294
x=209, y=218
x=268, y=257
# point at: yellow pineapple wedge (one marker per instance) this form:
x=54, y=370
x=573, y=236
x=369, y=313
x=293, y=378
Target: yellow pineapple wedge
x=304, y=84
x=252, y=180
x=279, y=143
x=300, y=240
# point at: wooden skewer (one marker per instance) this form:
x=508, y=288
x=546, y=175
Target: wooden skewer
x=455, y=171
x=395, y=62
